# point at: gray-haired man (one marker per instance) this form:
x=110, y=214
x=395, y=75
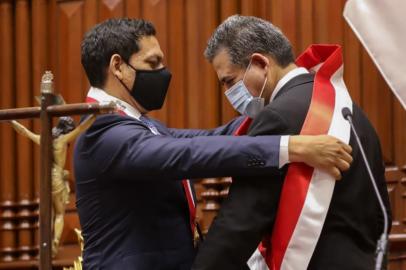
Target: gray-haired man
x=255, y=64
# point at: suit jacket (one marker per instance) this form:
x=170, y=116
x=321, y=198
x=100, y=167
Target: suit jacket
x=132, y=208
x=353, y=223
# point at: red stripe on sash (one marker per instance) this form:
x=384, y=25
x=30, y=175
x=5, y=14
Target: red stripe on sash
x=192, y=207
x=243, y=128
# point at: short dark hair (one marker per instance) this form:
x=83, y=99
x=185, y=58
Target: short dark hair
x=242, y=36
x=112, y=36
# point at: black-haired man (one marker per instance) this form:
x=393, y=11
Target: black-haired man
x=135, y=208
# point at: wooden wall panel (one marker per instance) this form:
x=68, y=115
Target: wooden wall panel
x=335, y=22
x=68, y=70
x=25, y=196
x=110, y=9
x=305, y=25
x=90, y=19
x=399, y=130
x=320, y=21
x=192, y=63
x=377, y=104
x=133, y=8
x=352, y=55
x=209, y=103
x=24, y=94
x=227, y=9
x=396, y=188
x=8, y=233
x=201, y=111
x=69, y=35
x=36, y=35
x=156, y=12
x=285, y=16
x=176, y=99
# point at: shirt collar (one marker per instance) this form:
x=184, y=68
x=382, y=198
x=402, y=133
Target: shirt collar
x=101, y=96
x=288, y=76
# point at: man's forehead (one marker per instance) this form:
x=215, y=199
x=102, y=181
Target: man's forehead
x=149, y=47
x=223, y=65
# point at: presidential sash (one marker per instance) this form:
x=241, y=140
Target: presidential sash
x=307, y=192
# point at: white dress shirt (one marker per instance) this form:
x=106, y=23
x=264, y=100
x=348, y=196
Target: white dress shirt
x=284, y=144
x=101, y=96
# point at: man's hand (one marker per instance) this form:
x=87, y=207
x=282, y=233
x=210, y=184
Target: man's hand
x=323, y=152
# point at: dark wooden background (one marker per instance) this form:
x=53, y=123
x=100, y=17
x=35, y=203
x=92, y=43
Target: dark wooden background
x=36, y=35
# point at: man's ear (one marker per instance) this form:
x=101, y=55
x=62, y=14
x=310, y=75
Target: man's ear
x=260, y=60
x=116, y=66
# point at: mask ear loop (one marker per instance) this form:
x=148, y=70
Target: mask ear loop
x=122, y=83
x=131, y=66
x=263, y=86
x=245, y=74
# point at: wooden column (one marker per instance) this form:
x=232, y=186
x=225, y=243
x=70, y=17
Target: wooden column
x=25, y=199
x=8, y=240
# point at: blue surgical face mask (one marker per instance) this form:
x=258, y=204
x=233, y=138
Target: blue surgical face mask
x=241, y=99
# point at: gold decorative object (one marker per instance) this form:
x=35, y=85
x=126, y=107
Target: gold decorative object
x=77, y=264
x=60, y=176
x=47, y=85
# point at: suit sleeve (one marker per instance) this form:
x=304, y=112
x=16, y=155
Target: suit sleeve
x=130, y=152
x=227, y=129
x=248, y=212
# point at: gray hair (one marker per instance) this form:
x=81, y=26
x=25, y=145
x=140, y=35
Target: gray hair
x=242, y=36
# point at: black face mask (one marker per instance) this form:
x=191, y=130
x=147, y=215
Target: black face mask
x=150, y=87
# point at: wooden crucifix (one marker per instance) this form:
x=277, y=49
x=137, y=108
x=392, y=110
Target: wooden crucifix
x=46, y=112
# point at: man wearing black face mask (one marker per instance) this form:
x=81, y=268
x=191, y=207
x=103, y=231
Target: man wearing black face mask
x=150, y=87
x=136, y=207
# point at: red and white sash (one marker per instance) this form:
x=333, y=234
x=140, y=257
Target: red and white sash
x=98, y=95
x=307, y=192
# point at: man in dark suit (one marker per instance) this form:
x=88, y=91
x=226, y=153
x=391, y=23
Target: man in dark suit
x=254, y=53
x=134, y=208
